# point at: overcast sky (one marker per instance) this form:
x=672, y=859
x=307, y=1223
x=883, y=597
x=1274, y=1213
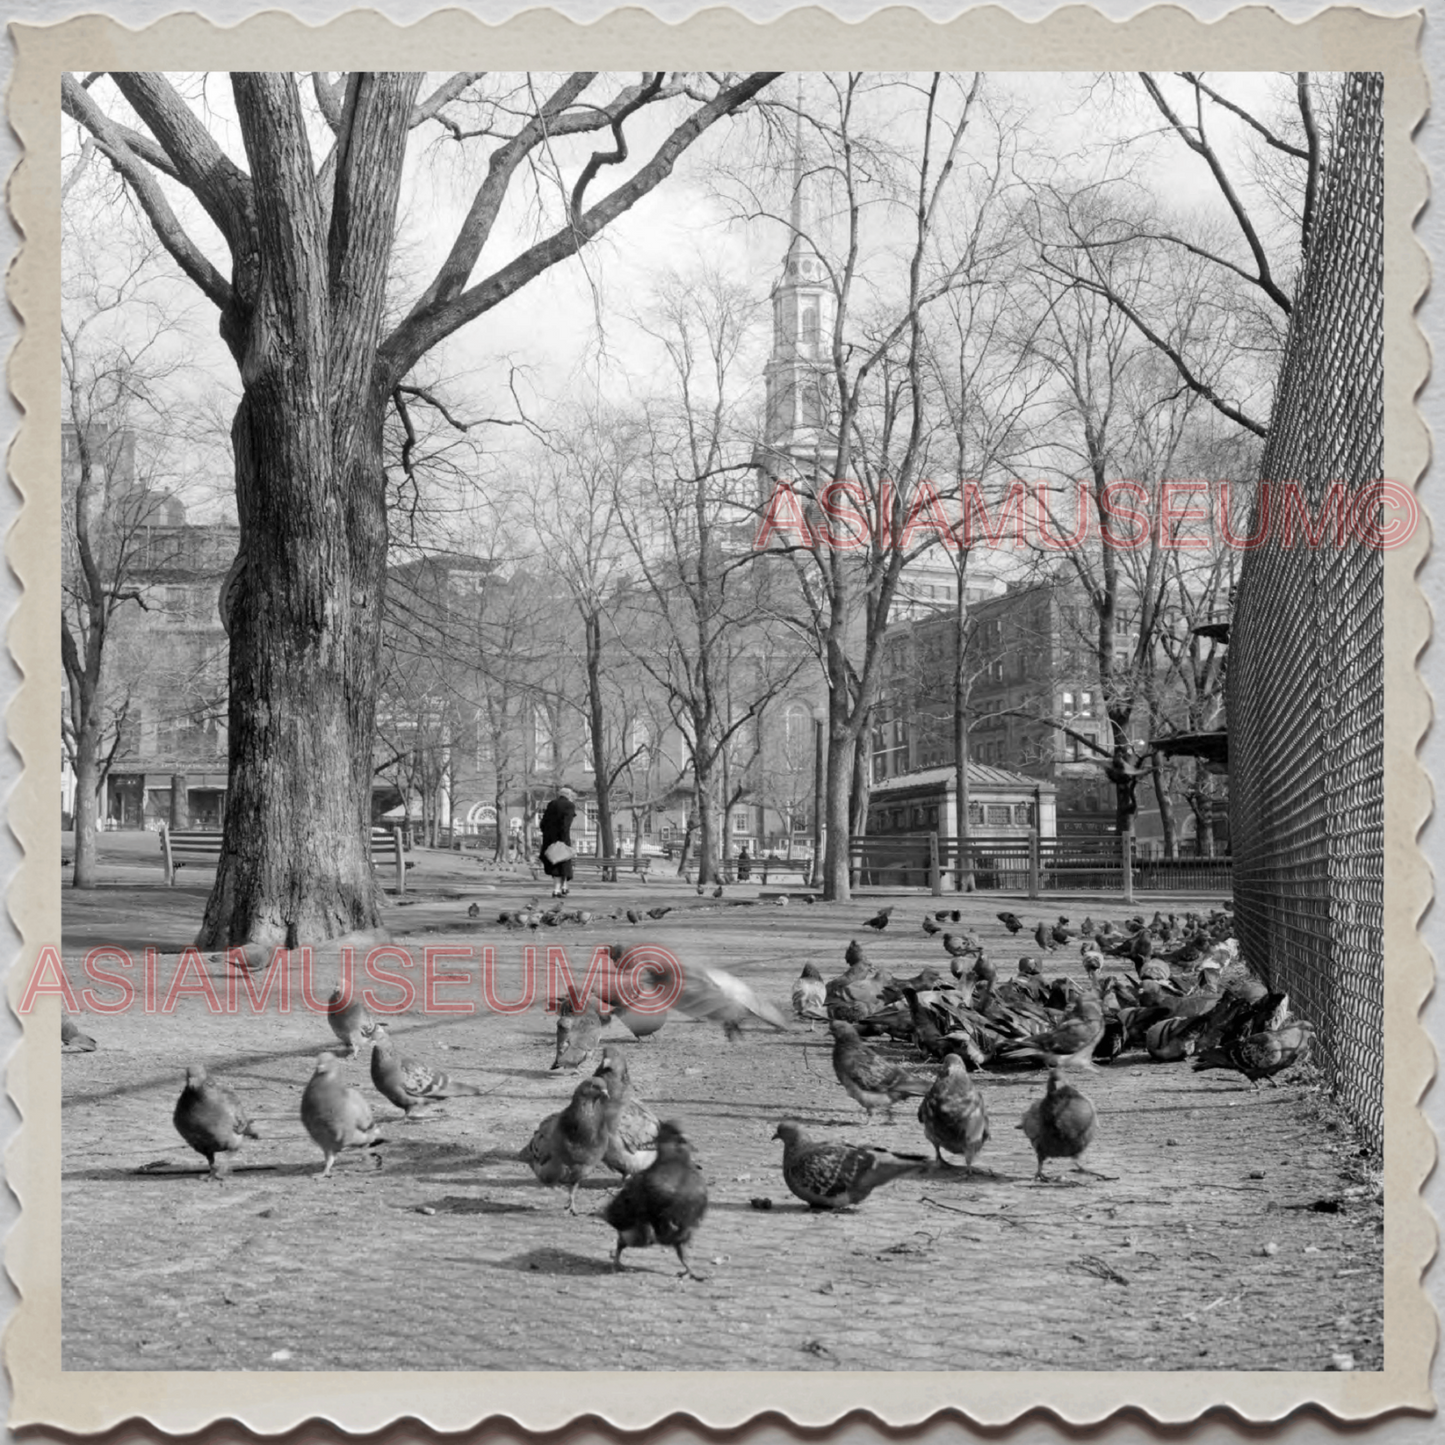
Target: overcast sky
x=1073, y=126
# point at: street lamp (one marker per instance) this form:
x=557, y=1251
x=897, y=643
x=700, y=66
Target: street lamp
x=820, y=718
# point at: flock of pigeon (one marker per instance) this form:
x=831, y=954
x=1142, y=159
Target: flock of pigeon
x=1172, y=987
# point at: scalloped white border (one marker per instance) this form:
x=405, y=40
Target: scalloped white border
x=1075, y=38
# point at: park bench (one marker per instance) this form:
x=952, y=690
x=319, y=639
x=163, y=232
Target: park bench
x=761, y=870
x=602, y=870
x=203, y=847
x=607, y=870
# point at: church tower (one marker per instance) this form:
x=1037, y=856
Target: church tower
x=799, y=371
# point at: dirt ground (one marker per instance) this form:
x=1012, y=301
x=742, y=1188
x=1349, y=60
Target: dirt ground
x=1236, y=1230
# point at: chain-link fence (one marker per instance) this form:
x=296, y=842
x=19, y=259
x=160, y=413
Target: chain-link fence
x=1306, y=683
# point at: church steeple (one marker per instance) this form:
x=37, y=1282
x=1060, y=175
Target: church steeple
x=803, y=315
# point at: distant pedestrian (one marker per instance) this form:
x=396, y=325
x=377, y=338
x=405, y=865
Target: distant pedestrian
x=745, y=865
x=557, y=840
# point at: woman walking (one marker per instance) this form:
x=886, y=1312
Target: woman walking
x=557, y=840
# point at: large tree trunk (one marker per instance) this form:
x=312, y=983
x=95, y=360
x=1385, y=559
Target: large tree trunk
x=305, y=618
x=296, y=865
x=87, y=806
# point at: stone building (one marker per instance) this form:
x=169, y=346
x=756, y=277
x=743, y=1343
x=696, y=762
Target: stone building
x=164, y=674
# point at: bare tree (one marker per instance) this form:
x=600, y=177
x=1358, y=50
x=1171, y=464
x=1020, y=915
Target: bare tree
x=1264, y=162
x=685, y=491
x=119, y=335
x=302, y=312
x=942, y=200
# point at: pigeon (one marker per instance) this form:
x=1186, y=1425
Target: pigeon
x=711, y=993
x=926, y=1033
x=835, y=1176
x=335, y=1114
x=879, y=921
x=954, y=946
x=853, y=954
x=658, y=912
x=718, y=891
x=474, y=910
x=631, y=1126
x=953, y=1114
x=930, y=927
x=664, y=1204
x=1172, y=1039
x=1060, y=934
x=854, y=995
x=1260, y=1055
x=866, y=1075
x=633, y=916
x=568, y=1146
x=210, y=1118
x=1044, y=938
x=808, y=994
x=577, y=1034
x=639, y=1023
x=349, y=1022
x=1010, y=921
x=1060, y=1125
x=1086, y=928
x=1072, y=1042
x=72, y=1037
x=409, y=1083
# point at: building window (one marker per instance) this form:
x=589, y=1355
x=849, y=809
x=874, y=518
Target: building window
x=740, y=821
x=975, y=813
x=997, y=814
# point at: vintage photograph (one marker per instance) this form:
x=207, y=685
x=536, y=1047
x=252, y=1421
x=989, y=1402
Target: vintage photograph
x=722, y=720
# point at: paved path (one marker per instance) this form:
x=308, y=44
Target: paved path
x=451, y=1256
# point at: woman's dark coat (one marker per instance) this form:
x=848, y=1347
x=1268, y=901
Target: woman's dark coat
x=557, y=828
